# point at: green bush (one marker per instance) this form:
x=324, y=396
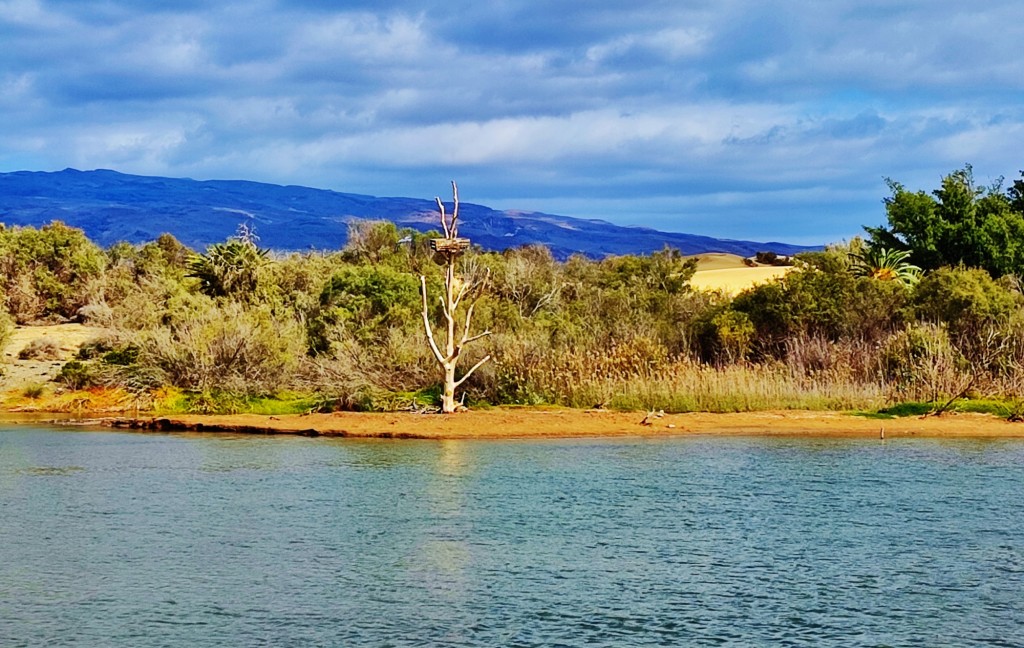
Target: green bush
x=46, y=273
x=76, y=375
x=365, y=301
x=734, y=333
x=964, y=299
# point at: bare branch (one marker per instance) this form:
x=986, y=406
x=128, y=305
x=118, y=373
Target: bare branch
x=474, y=338
x=426, y=322
x=444, y=309
x=455, y=212
x=444, y=220
x=462, y=293
x=471, y=370
x=469, y=317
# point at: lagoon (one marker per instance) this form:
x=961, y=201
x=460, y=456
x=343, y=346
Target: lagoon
x=125, y=539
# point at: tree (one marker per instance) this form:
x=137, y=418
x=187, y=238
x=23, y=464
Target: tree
x=229, y=269
x=885, y=265
x=959, y=223
x=456, y=290
x=367, y=300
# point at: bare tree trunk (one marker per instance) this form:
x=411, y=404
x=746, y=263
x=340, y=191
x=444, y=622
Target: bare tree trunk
x=455, y=290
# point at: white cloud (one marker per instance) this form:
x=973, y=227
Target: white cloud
x=697, y=114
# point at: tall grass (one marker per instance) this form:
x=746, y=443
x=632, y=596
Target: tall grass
x=687, y=386
x=638, y=374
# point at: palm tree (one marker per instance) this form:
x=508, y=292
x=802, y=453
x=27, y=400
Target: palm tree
x=231, y=268
x=885, y=265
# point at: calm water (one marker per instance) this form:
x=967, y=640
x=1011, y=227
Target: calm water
x=119, y=539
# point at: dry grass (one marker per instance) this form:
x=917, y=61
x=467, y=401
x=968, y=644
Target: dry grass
x=691, y=387
x=633, y=375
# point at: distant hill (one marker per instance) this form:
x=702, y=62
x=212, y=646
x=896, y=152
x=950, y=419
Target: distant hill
x=111, y=207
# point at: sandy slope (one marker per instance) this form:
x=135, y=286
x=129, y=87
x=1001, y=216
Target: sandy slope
x=18, y=373
x=734, y=280
x=728, y=273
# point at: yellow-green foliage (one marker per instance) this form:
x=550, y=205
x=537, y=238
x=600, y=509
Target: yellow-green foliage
x=6, y=328
x=44, y=273
x=225, y=347
x=343, y=329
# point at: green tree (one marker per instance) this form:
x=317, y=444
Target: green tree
x=959, y=223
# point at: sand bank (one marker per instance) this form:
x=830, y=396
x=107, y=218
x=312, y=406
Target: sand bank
x=516, y=423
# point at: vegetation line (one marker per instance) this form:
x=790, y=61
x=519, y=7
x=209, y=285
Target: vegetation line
x=927, y=309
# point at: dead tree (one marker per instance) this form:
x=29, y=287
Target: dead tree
x=447, y=251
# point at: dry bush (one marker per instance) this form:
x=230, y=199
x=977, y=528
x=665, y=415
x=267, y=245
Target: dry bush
x=44, y=348
x=398, y=361
x=380, y=375
x=811, y=356
x=23, y=301
x=638, y=374
x=526, y=370
x=6, y=329
x=920, y=363
x=225, y=348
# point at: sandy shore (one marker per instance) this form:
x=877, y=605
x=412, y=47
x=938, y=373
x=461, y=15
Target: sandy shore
x=515, y=423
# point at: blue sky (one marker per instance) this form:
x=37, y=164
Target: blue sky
x=764, y=120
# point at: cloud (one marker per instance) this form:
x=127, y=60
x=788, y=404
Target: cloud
x=732, y=118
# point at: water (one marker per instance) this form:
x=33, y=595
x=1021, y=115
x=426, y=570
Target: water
x=120, y=539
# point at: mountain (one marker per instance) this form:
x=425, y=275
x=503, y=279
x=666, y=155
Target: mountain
x=111, y=207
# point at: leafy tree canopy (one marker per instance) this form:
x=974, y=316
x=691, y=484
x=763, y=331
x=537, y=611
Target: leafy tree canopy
x=957, y=224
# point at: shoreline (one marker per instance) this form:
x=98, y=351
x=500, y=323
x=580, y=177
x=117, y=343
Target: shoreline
x=529, y=423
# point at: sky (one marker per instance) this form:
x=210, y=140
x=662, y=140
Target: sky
x=762, y=120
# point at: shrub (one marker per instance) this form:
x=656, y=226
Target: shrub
x=96, y=347
x=734, y=333
x=43, y=348
x=45, y=272
x=33, y=390
x=6, y=329
x=921, y=363
x=366, y=302
x=965, y=299
x=225, y=348
x=75, y=374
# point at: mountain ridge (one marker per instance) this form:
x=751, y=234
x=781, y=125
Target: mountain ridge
x=111, y=206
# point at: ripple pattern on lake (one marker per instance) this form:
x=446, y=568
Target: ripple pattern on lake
x=118, y=539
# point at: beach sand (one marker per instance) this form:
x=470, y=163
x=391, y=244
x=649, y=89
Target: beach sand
x=530, y=423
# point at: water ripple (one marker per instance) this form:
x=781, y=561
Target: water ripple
x=140, y=540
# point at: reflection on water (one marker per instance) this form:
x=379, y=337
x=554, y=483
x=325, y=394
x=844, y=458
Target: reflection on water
x=168, y=540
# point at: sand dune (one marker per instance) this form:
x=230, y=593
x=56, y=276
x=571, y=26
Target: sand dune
x=728, y=273
x=734, y=280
